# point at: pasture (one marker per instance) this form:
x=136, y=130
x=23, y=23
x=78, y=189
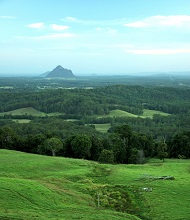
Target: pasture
x=25, y=111
x=41, y=187
x=119, y=113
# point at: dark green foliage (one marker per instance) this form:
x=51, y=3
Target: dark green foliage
x=121, y=199
x=97, y=147
x=8, y=138
x=53, y=144
x=106, y=156
x=162, y=150
x=99, y=101
x=81, y=146
x=131, y=140
x=179, y=146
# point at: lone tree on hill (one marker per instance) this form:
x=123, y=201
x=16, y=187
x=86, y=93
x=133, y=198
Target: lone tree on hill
x=162, y=150
x=53, y=144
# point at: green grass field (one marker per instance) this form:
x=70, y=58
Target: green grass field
x=28, y=111
x=119, y=113
x=150, y=113
x=102, y=127
x=25, y=111
x=22, y=121
x=41, y=187
x=146, y=113
x=113, y=113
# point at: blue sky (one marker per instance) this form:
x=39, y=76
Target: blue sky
x=87, y=36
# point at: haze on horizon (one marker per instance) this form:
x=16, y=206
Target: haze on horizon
x=102, y=37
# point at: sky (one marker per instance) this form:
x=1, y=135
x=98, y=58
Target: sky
x=94, y=36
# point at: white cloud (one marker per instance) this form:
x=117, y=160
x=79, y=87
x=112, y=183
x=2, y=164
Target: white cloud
x=70, y=19
x=94, y=22
x=79, y=21
x=48, y=36
x=39, y=25
x=56, y=27
x=7, y=17
x=159, y=51
x=107, y=30
x=161, y=21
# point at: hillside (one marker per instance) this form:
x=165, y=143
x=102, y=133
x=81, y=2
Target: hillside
x=41, y=187
x=50, y=188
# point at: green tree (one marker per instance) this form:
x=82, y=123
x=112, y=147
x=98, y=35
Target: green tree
x=106, y=156
x=119, y=148
x=162, y=150
x=97, y=147
x=53, y=144
x=8, y=138
x=81, y=146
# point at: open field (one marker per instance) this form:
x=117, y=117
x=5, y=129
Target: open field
x=25, y=111
x=102, y=127
x=150, y=113
x=41, y=187
x=28, y=111
x=119, y=113
x=22, y=121
x=146, y=113
x=113, y=113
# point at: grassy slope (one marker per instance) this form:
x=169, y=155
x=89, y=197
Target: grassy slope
x=25, y=111
x=113, y=113
x=119, y=113
x=146, y=113
x=39, y=187
x=150, y=113
x=29, y=111
x=102, y=127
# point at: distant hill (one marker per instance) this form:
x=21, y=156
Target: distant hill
x=61, y=72
x=44, y=74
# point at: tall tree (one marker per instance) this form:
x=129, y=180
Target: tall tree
x=54, y=144
x=162, y=150
x=81, y=146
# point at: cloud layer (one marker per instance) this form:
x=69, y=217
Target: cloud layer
x=38, y=25
x=159, y=51
x=161, y=21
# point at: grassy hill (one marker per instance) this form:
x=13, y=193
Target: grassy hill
x=113, y=113
x=25, y=111
x=120, y=113
x=146, y=113
x=41, y=187
x=29, y=111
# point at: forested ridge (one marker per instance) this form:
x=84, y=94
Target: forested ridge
x=99, y=100
x=129, y=139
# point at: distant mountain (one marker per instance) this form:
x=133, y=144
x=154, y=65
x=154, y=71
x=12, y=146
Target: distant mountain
x=60, y=72
x=44, y=74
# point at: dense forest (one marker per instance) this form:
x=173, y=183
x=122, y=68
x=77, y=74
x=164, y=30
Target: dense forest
x=71, y=131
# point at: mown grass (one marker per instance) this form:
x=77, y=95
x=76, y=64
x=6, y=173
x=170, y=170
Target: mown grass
x=40, y=187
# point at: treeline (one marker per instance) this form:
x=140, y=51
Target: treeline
x=99, y=101
x=121, y=145
x=158, y=126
